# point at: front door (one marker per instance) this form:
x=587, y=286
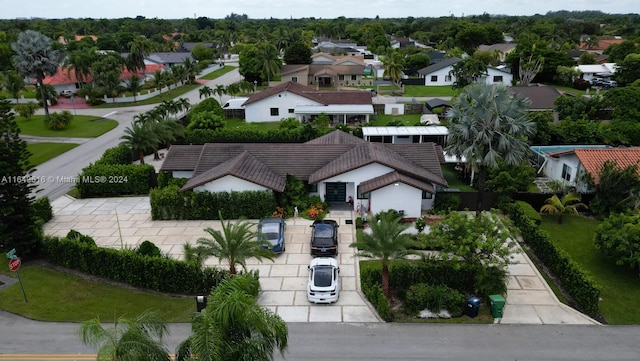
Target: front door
x=336, y=192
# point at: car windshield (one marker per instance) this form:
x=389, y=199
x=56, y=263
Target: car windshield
x=323, y=231
x=322, y=276
x=271, y=232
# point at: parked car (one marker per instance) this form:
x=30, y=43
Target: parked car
x=324, y=284
x=324, y=238
x=272, y=230
x=67, y=93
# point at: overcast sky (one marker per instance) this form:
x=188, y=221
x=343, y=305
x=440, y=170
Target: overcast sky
x=328, y=9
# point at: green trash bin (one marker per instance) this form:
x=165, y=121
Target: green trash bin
x=497, y=305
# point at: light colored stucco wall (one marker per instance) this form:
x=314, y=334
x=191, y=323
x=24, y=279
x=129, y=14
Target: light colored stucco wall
x=400, y=197
x=260, y=111
x=230, y=184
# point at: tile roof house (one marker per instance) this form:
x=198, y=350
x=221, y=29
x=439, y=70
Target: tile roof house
x=66, y=80
x=503, y=49
x=304, y=103
x=169, y=59
x=592, y=160
x=337, y=166
x=325, y=71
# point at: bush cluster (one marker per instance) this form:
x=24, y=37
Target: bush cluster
x=116, y=155
x=446, y=202
x=127, y=266
x=170, y=203
x=107, y=180
x=530, y=212
x=576, y=281
x=435, y=298
x=379, y=301
x=248, y=135
x=41, y=210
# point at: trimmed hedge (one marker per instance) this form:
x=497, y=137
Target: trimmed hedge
x=116, y=155
x=248, y=135
x=170, y=203
x=156, y=273
x=576, y=281
x=530, y=212
x=41, y=210
x=379, y=301
x=106, y=180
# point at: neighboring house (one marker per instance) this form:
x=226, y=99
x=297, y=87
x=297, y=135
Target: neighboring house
x=588, y=72
x=337, y=167
x=187, y=47
x=169, y=59
x=591, y=161
x=541, y=97
x=63, y=40
x=559, y=162
x=407, y=135
x=403, y=42
x=601, y=46
x=502, y=49
x=575, y=54
x=304, y=103
x=325, y=71
x=66, y=80
x=438, y=74
x=329, y=47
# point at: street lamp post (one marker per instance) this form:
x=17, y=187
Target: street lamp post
x=255, y=85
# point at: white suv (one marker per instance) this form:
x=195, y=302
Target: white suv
x=67, y=93
x=324, y=283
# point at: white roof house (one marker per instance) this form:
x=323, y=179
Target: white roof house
x=590, y=71
x=405, y=135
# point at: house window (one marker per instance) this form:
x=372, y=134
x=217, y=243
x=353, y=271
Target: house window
x=291, y=111
x=294, y=79
x=497, y=78
x=426, y=195
x=434, y=78
x=354, y=77
x=363, y=195
x=340, y=77
x=447, y=78
x=313, y=188
x=566, y=173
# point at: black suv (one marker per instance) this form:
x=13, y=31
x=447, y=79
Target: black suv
x=324, y=238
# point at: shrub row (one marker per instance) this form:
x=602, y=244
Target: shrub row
x=170, y=203
x=374, y=294
x=457, y=275
x=435, y=298
x=41, y=210
x=116, y=155
x=530, y=212
x=577, y=282
x=105, y=180
x=248, y=135
x=156, y=273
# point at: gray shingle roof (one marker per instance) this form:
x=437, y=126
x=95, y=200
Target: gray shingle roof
x=182, y=157
x=439, y=65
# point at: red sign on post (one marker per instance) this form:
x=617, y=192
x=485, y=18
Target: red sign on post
x=14, y=264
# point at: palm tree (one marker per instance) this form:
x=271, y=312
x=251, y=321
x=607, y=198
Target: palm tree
x=233, y=89
x=385, y=242
x=80, y=62
x=206, y=92
x=191, y=68
x=393, y=66
x=172, y=130
x=568, y=204
x=136, y=339
x=134, y=84
x=159, y=79
x=13, y=83
x=220, y=91
x=234, y=326
x=139, y=49
x=140, y=138
x=268, y=60
x=36, y=58
x=487, y=124
x=235, y=244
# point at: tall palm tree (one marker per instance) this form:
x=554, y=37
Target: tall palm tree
x=236, y=243
x=139, y=49
x=234, y=326
x=140, y=138
x=80, y=62
x=36, y=58
x=568, y=204
x=191, y=68
x=138, y=339
x=269, y=61
x=159, y=79
x=13, y=83
x=134, y=84
x=393, y=66
x=488, y=123
x=385, y=242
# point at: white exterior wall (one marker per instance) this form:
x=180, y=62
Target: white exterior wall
x=353, y=178
x=507, y=78
x=428, y=203
x=230, y=184
x=260, y=111
x=441, y=74
x=400, y=197
x=553, y=168
x=182, y=173
x=389, y=109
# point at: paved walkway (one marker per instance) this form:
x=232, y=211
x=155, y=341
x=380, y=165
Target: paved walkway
x=37, y=139
x=283, y=282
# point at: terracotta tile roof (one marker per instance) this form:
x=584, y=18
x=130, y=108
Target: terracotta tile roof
x=593, y=159
x=64, y=76
x=244, y=166
x=322, y=97
x=269, y=163
x=391, y=178
x=602, y=44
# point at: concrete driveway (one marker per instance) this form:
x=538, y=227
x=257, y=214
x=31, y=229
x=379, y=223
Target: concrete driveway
x=117, y=222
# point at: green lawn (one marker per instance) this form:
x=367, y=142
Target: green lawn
x=218, y=73
x=57, y=296
x=429, y=91
x=29, y=93
x=571, y=90
x=166, y=95
x=451, y=175
x=240, y=123
x=384, y=119
x=42, y=152
x=620, y=286
x=82, y=126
